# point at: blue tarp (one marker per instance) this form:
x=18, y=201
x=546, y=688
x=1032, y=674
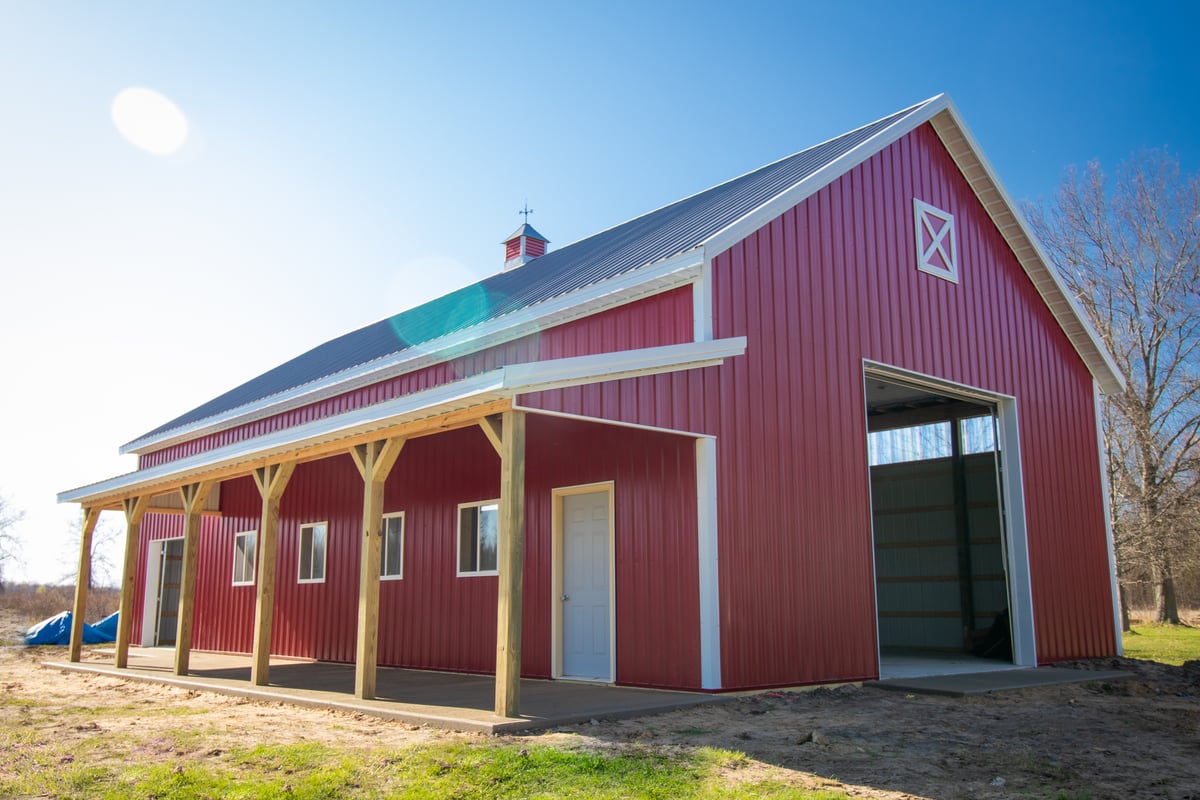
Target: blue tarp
x=57, y=630
x=108, y=626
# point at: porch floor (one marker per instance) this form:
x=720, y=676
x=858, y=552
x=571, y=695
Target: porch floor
x=449, y=700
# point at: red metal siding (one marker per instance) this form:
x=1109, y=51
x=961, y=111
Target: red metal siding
x=825, y=285
x=663, y=319
x=434, y=619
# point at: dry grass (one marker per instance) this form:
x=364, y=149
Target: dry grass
x=29, y=603
x=1145, y=616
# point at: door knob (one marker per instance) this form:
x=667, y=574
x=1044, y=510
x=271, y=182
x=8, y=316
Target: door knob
x=565, y=598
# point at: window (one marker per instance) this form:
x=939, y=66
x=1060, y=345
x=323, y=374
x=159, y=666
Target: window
x=391, y=565
x=478, y=532
x=937, y=245
x=243, y=558
x=313, y=539
x=917, y=443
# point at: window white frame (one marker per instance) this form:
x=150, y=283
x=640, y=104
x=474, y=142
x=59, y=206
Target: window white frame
x=245, y=558
x=940, y=256
x=310, y=529
x=393, y=522
x=475, y=551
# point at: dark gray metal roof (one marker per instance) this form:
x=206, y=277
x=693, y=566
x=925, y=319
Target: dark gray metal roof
x=669, y=231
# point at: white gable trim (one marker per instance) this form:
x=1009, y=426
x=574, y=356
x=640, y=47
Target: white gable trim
x=940, y=112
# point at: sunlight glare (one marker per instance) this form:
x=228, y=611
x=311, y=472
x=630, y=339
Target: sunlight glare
x=149, y=120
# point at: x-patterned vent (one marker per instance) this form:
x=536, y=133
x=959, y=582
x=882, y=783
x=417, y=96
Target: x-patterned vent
x=937, y=244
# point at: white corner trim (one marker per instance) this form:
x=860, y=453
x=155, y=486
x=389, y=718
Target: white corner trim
x=702, y=304
x=655, y=278
x=1102, y=452
x=707, y=550
x=732, y=234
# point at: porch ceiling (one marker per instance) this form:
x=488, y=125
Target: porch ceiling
x=455, y=405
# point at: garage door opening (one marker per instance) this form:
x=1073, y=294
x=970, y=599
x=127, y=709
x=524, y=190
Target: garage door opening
x=942, y=573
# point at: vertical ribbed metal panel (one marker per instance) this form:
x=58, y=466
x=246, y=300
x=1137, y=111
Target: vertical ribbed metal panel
x=434, y=619
x=825, y=285
x=662, y=319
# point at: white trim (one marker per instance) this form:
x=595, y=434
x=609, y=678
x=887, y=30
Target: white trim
x=922, y=212
x=810, y=185
x=150, y=596
x=383, y=561
x=1007, y=218
x=702, y=304
x=458, y=532
x=254, y=564
x=324, y=552
x=556, y=578
x=1102, y=451
x=707, y=551
x=652, y=279
x=1012, y=485
x=604, y=421
x=499, y=384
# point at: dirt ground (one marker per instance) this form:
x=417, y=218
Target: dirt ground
x=1133, y=738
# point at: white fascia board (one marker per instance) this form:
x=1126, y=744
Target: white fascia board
x=439, y=400
x=1038, y=267
x=661, y=276
x=556, y=373
x=498, y=384
x=733, y=233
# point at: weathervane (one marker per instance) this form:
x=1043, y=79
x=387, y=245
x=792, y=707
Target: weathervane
x=526, y=211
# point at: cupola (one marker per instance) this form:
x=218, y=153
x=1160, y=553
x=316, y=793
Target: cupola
x=523, y=245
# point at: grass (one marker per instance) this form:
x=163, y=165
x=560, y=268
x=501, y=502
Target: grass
x=1168, y=644
x=459, y=770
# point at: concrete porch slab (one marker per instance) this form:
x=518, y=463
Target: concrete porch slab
x=447, y=700
x=963, y=684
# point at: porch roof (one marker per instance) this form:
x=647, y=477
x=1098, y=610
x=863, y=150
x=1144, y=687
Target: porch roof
x=457, y=404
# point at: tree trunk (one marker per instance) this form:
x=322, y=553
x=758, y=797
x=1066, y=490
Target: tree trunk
x=1164, y=596
x=1126, y=627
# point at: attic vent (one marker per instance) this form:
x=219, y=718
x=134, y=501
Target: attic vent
x=937, y=244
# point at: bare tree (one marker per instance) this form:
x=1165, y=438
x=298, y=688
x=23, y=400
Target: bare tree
x=106, y=543
x=10, y=545
x=1130, y=251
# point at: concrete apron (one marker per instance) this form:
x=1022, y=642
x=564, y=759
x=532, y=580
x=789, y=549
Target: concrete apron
x=452, y=701
x=963, y=684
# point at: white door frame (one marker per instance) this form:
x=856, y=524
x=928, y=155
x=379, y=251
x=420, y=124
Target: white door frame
x=1020, y=590
x=556, y=578
x=150, y=597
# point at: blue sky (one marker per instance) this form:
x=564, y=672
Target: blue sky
x=346, y=161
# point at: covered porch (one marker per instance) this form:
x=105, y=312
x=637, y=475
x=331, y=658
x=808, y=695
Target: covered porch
x=373, y=437
x=453, y=701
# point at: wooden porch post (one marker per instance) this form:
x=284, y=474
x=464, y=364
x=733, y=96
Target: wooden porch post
x=271, y=481
x=374, y=462
x=90, y=516
x=510, y=561
x=135, y=509
x=193, y=496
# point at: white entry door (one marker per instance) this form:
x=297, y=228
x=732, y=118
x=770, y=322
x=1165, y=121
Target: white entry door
x=586, y=591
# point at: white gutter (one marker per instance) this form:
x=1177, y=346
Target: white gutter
x=499, y=384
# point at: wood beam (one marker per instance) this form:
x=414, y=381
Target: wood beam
x=82, y=580
x=135, y=509
x=271, y=481
x=510, y=559
x=441, y=423
x=492, y=430
x=374, y=461
x=193, y=496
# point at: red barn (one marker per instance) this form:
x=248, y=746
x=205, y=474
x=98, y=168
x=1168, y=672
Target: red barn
x=806, y=426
